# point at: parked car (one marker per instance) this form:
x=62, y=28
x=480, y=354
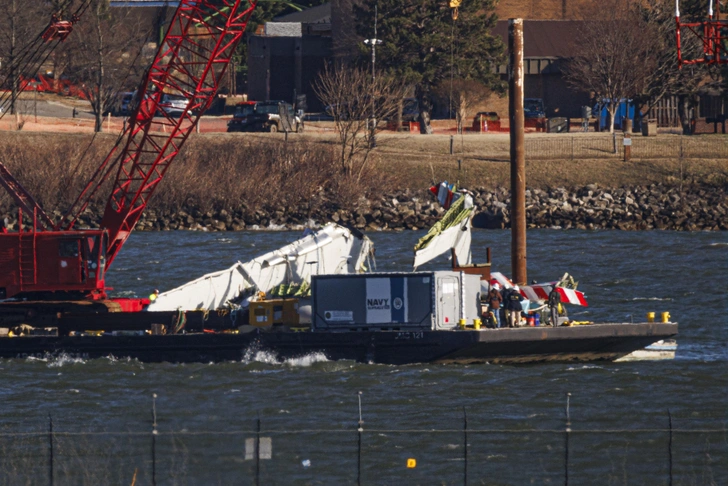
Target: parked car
x=123, y=104
x=534, y=114
x=411, y=110
x=265, y=116
x=533, y=108
x=173, y=105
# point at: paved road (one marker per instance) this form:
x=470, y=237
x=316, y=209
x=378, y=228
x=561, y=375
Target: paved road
x=53, y=108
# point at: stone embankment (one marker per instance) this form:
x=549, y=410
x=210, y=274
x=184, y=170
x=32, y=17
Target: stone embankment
x=591, y=207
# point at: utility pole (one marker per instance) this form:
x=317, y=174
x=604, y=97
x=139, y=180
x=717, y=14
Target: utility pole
x=454, y=6
x=374, y=42
x=518, y=155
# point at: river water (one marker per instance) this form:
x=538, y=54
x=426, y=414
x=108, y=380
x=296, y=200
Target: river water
x=102, y=409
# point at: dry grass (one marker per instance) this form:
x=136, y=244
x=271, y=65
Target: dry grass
x=213, y=172
x=254, y=171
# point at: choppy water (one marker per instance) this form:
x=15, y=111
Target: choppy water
x=205, y=412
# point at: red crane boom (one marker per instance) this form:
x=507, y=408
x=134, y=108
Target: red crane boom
x=55, y=259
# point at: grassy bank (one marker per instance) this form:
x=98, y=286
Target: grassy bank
x=254, y=170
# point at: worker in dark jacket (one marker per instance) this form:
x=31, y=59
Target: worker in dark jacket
x=513, y=307
x=554, y=304
x=495, y=299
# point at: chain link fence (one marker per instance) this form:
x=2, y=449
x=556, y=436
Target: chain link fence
x=478, y=450
x=575, y=147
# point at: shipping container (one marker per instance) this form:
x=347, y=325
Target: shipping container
x=394, y=301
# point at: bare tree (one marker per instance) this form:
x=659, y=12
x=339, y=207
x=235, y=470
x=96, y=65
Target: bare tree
x=360, y=106
x=667, y=78
x=617, y=59
x=464, y=94
x=110, y=45
x=20, y=25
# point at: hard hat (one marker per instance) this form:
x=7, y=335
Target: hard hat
x=515, y=287
x=496, y=286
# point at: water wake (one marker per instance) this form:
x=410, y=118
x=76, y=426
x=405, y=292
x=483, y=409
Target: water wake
x=253, y=355
x=62, y=360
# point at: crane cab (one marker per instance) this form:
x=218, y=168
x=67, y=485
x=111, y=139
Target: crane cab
x=43, y=264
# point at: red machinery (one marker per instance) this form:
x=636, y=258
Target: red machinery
x=712, y=33
x=59, y=29
x=53, y=261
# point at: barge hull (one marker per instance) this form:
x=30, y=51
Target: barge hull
x=581, y=343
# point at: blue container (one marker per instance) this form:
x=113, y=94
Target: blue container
x=537, y=319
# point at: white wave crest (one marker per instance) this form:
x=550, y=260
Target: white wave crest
x=584, y=367
x=652, y=298
x=64, y=359
x=255, y=355
x=307, y=360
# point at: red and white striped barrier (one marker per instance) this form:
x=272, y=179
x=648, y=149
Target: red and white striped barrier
x=571, y=296
x=540, y=292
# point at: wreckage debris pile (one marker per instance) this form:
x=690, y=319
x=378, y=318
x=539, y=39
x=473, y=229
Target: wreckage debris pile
x=639, y=208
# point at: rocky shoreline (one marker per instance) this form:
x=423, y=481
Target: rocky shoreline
x=695, y=208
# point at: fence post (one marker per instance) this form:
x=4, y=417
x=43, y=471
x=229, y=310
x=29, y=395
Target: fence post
x=669, y=443
x=465, y=447
x=257, y=451
x=359, y=430
x=452, y=141
x=681, y=146
x=566, y=444
x=572, y=148
x=50, y=449
x=154, y=439
x=614, y=142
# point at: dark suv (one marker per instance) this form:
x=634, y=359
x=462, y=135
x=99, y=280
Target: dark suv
x=264, y=116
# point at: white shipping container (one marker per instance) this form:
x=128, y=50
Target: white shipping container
x=394, y=301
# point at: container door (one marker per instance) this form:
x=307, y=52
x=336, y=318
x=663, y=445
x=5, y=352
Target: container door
x=447, y=302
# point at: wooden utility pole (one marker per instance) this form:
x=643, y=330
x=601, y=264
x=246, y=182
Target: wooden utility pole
x=518, y=155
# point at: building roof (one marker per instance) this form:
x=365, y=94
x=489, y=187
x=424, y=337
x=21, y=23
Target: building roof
x=545, y=38
x=314, y=15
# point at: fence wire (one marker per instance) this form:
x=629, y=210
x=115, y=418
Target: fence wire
x=605, y=146
x=511, y=454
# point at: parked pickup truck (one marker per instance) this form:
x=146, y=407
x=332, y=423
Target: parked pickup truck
x=265, y=116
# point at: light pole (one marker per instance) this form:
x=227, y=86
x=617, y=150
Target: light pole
x=373, y=42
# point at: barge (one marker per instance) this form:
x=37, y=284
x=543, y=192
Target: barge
x=523, y=345
x=317, y=296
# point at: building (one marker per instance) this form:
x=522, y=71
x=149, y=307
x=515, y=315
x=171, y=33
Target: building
x=286, y=55
x=547, y=46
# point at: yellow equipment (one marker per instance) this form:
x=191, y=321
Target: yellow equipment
x=273, y=311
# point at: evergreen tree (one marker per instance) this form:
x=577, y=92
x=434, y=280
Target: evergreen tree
x=424, y=46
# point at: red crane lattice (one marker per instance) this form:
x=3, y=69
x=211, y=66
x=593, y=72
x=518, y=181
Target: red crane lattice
x=189, y=64
x=712, y=33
